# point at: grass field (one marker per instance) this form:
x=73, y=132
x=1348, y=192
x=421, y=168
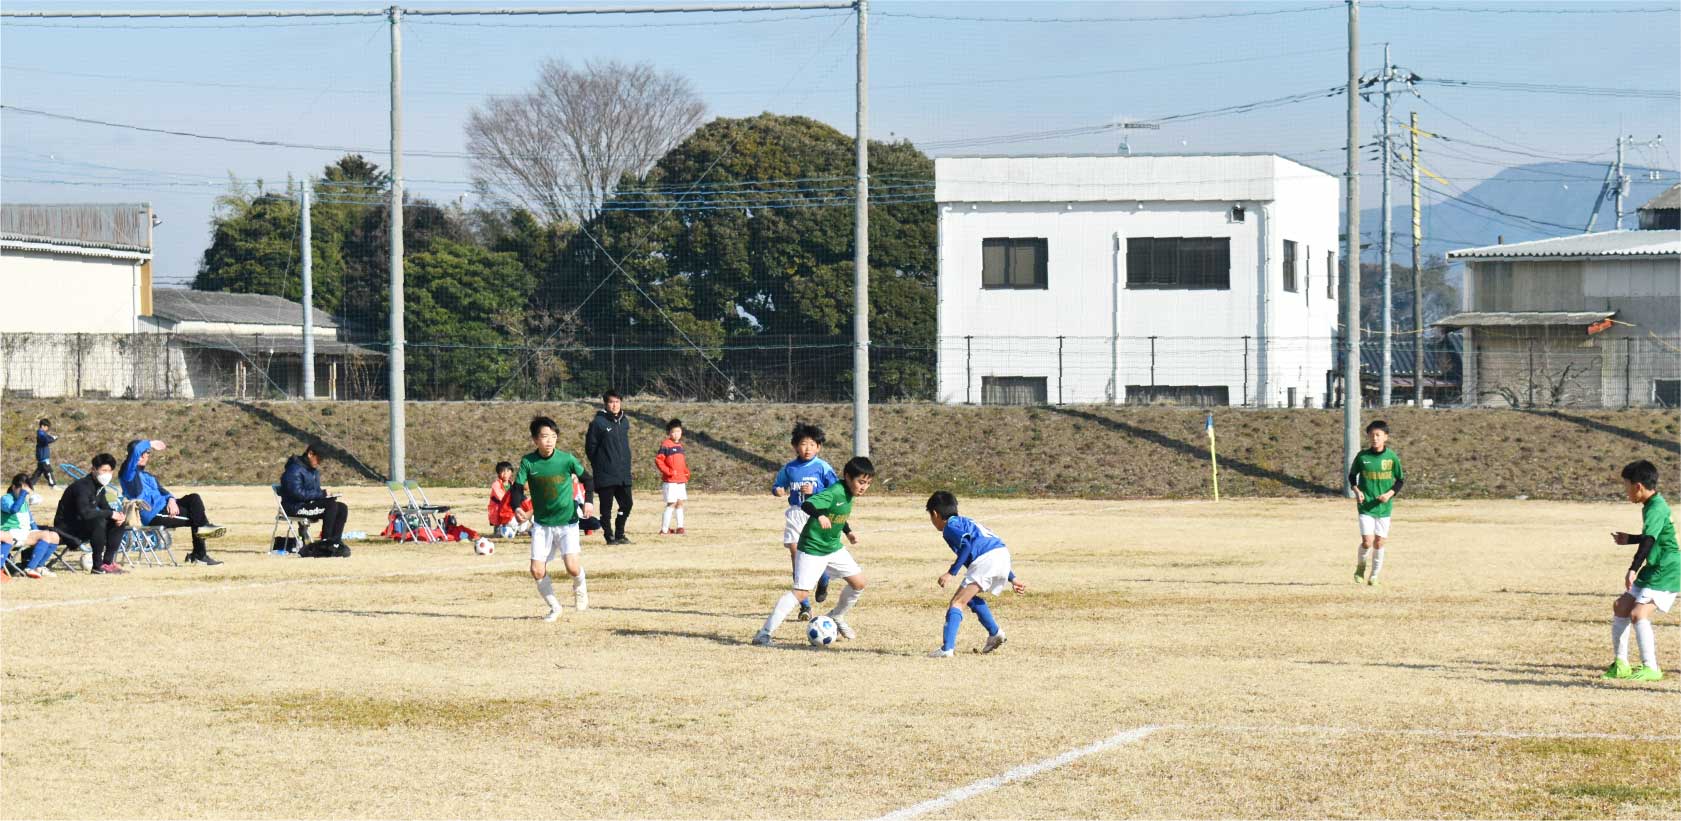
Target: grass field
x=1189, y=658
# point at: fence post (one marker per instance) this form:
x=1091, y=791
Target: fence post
x=1152, y=362
x=788, y=368
x=1628, y=372
x=81, y=349
x=968, y=370
x=1059, y=370
x=1246, y=371
x=1532, y=372
x=612, y=361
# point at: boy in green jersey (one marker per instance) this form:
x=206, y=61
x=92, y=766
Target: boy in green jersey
x=548, y=473
x=820, y=550
x=1376, y=478
x=1653, y=579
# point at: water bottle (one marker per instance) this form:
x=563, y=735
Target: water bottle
x=354, y=536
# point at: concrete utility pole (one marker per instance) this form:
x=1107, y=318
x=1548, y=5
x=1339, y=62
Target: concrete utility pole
x=1418, y=287
x=304, y=253
x=1351, y=258
x=1621, y=180
x=861, y=249
x=394, y=358
x=1385, y=374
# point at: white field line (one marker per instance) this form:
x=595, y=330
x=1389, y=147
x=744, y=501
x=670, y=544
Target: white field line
x=227, y=588
x=1011, y=776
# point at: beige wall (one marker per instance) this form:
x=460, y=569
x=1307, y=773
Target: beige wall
x=62, y=293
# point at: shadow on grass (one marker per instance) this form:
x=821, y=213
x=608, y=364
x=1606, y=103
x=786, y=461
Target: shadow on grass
x=1219, y=581
x=736, y=641
x=420, y=613
x=1240, y=466
x=1555, y=593
x=706, y=440
x=329, y=450
x=666, y=612
x=1605, y=427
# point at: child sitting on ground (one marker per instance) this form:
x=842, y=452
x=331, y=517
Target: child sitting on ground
x=502, y=520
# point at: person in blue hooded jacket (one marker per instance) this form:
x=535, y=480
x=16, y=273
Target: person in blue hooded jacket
x=163, y=509
x=301, y=495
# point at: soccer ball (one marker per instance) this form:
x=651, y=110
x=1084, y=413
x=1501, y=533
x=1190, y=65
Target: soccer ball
x=821, y=631
x=484, y=547
x=86, y=562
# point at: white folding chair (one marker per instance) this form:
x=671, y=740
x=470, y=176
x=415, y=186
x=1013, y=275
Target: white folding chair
x=296, y=527
x=411, y=520
x=417, y=496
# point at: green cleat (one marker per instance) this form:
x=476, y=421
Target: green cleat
x=1618, y=669
x=1644, y=673
x=1371, y=581
x=1360, y=573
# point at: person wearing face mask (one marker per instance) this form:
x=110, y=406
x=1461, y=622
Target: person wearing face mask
x=85, y=512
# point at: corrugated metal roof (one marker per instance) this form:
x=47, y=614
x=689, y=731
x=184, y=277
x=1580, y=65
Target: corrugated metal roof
x=1480, y=319
x=184, y=305
x=1116, y=178
x=48, y=246
x=1602, y=244
x=1668, y=199
x=117, y=226
x=272, y=344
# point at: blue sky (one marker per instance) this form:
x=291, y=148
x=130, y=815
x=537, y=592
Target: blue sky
x=324, y=82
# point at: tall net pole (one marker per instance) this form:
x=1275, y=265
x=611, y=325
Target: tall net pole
x=1351, y=256
x=861, y=252
x=395, y=358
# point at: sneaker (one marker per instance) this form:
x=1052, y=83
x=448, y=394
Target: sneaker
x=32, y=573
x=581, y=599
x=664, y=532
x=845, y=630
x=204, y=559
x=622, y=540
x=1371, y=581
x=761, y=639
x=993, y=643
x=805, y=611
x=1644, y=673
x=46, y=571
x=822, y=591
x=682, y=531
x=1360, y=573
x=1618, y=669
x=941, y=653
x=553, y=615
x=97, y=571
x=212, y=531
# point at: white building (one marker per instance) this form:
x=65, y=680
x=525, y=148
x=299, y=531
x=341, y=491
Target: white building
x=1207, y=279
x=75, y=268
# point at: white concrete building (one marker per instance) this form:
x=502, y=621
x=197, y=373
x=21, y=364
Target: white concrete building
x=1204, y=279
x=75, y=268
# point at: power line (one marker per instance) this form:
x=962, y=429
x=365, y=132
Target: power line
x=1509, y=10
x=1127, y=19
x=1555, y=88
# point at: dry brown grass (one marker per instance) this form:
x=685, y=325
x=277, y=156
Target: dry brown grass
x=417, y=682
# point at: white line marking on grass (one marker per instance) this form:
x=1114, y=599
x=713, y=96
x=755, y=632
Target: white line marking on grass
x=1425, y=731
x=226, y=588
x=987, y=785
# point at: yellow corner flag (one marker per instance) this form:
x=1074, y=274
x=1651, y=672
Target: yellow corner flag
x=1213, y=456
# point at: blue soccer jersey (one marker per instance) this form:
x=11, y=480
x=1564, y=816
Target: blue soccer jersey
x=794, y=473
x=969, y=539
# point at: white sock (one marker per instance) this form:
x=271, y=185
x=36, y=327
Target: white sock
x=1362, y=555
x=545, y=588
x=578, y=581
x=848, y=596
x=784, y=606
x=1619, y=637
x=1648, y=644
x=679, y=517
x=665, y=523
x=1377, y=561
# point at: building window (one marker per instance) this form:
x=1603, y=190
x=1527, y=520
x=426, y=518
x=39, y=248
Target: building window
x=1017, y=263
x=1197, y=395
x=1194, y=263
x=1330, y=275
x=1667, y=392
x=1014, y=390
x=1290, y=266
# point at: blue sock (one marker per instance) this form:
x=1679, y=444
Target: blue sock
x=954, y=617
x=42, y=552
x=984, y=613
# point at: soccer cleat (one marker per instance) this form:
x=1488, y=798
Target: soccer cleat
x=822, y=591
x=1618, y=669
x=553, y=615
x=665, y=532
x=1644, y=673
x=1360, y=573
x=212, y=531
x=994, y=642
x=32, y=573
x=941, y=653
x=682, y=531
x=805, y=611
x=581, y=599
x=204, y=559
x=761, y=639
x=845, y=630
x=45, y=571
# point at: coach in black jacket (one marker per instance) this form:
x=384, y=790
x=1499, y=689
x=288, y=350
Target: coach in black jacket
x=607, y=444
x=84, y=513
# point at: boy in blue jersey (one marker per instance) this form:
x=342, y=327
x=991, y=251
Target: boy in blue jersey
x=799, y=480
x=988, y=569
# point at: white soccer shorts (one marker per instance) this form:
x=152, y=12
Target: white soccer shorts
x=991, y=570
x=549, y=543
x=1374, y=526
x=1662, y=599
x=793, y=524
x=674, y=491
x=808, y=568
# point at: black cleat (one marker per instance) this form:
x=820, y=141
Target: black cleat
x=822, y=591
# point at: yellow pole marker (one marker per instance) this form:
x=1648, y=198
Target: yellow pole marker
x=1213, y=456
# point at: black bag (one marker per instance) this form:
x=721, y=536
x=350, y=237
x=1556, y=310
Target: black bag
x=324, y=550
x=287, y=543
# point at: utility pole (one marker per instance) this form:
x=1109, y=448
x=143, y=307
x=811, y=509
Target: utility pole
x=861, y=249
x=1351, y=257
x=1418, y=288
x=305, y=253
x=1387, y=324
x=394, y=359
x=1621, y=180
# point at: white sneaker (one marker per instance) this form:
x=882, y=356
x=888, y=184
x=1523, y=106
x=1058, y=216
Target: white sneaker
x=941, y=653
x=212, y=532
x=761, y=639
x=46, y=572
x=581, y=598
x=845, y=630
x=994, y=642
x=553, y=615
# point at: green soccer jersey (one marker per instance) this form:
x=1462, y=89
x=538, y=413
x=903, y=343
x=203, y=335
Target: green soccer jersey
x=835, y=502
x=1378, y=472
x=548, y=483
x=1663, y=564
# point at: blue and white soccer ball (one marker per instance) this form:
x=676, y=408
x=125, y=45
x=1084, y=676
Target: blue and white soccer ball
x=821, y=631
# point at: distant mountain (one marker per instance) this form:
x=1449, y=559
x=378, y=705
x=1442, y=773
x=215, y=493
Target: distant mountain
x=1539, y=201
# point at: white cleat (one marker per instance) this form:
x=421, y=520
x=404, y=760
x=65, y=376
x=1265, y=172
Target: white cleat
x=581, y=599
x=845, y=630
x=941, y=653
x=761, y=639
x=993, y=643
x=553, y=615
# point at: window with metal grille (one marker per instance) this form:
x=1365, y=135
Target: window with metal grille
x=1188, y=263
x=1014, y=262
x=1667, y=392
x=1290, y=266
x=1014, y=390
x=1197, y=395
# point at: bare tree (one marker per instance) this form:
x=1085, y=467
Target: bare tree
x=559, y=149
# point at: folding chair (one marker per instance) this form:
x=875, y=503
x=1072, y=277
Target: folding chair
x=410, y=518
x=296, y=527
x=434, y=513
x=147, y=541
x=66, y=543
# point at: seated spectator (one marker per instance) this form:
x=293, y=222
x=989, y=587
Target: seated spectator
x=85, y=512
x=502, y=516
x=301, y=495
x=163, y=509
x=18, y=523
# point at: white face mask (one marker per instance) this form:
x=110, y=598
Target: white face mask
x=103, y=478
